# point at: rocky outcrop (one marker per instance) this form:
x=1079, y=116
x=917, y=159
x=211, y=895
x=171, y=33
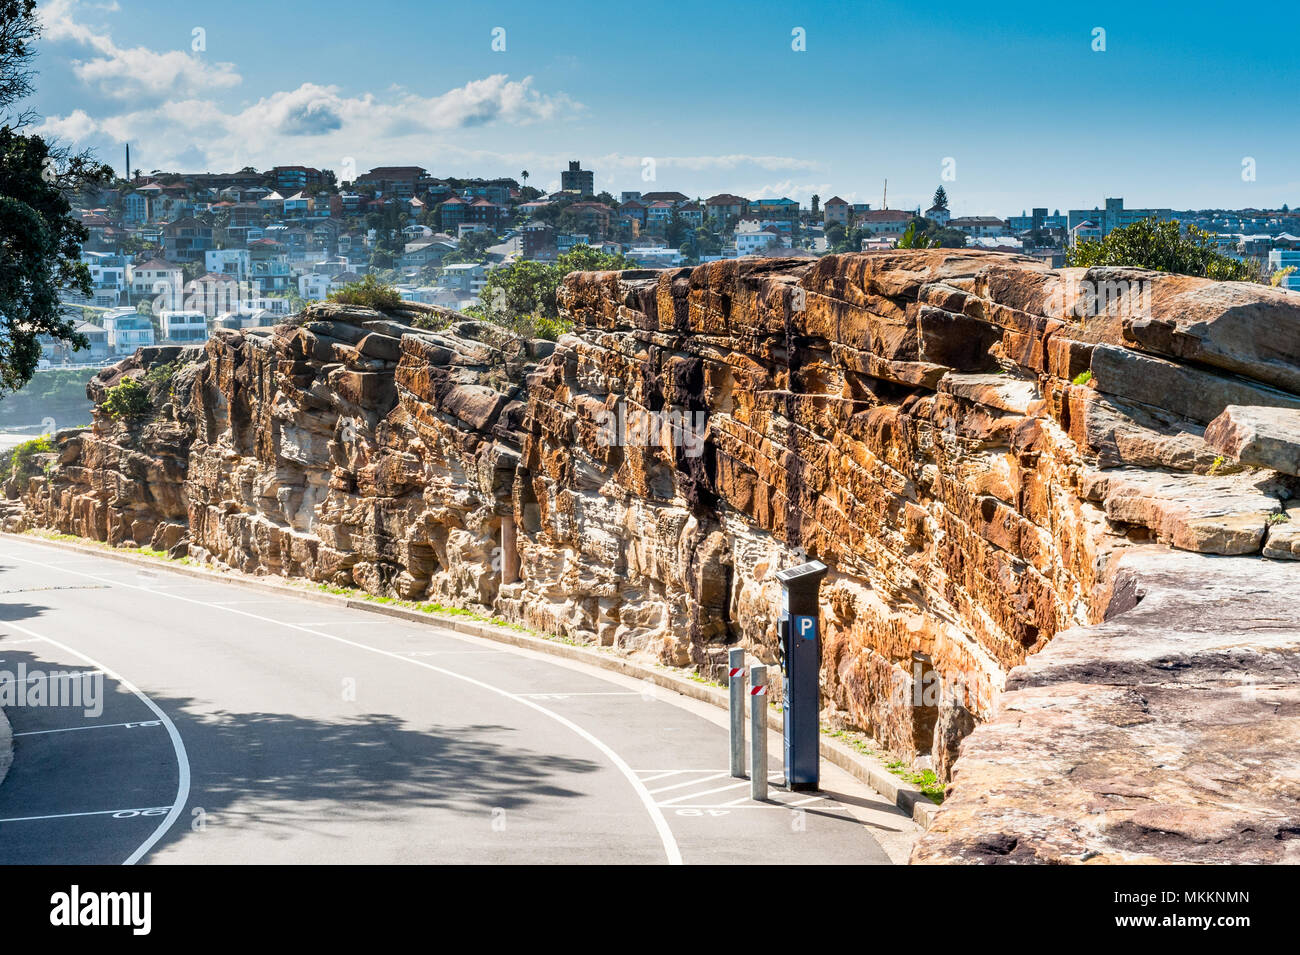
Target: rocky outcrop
x=994, y=458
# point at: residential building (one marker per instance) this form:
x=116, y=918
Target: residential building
x=183, y=325
x=135, y=208
x=782, y=209
x=634, y=210
x=452, y=213
x=298, y=206
x=578, y=180
x=465, y=277
x=186, y=240
x=97, y=337
x=1113, y=216
x=154, y=278
x=658, y=215
x=291, y=179
x=939, y=215
x=1283, y=258
x=393, y=181
x=538, y=240
x=979, y=226
x=268, y=266
x=564, y=242
x=673, y=198
x=692, y=213
x=653, y=257
x=882, y=221
x=126, y=330
x=752, y=239
x=592, y=216
x=417, y=255
x=227, y=262
x=107, y=278
x=724, y=208
x=835, y=211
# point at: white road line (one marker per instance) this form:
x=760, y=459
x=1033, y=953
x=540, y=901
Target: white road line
x=707, y=792
x=62, y=673
x=756, y=805
x=660, y=775
x=101, y=812
x=95, y=726
x=437, y=653
x=689, y=782
x=734, y=802
x=565, y=694
x=660, y=823
x=182, y=761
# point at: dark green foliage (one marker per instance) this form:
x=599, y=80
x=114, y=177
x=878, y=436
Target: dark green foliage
x=127, y=399
x=368, y=293
x=1162, y=246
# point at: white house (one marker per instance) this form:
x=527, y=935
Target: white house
x=227, y=262
x=183, y=326
x=653, y=257
x=127, y=330
x=155, y=277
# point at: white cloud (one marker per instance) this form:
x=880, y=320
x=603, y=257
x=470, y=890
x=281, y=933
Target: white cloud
x=316, y=124
x=127, y=73
x=76, y=126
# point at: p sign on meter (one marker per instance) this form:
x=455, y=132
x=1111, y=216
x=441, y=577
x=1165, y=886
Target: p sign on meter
x=805, y=628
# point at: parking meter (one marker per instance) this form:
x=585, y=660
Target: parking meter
x=800, y=639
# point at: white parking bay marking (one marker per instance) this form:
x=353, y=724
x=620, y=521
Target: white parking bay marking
x=182, y=760
x=657, y=818
x=144, y=724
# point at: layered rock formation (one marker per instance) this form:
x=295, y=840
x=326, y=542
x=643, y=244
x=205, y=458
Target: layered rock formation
x=993, y=458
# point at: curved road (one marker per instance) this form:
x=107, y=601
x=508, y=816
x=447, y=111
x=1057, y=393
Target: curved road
x=239, y=726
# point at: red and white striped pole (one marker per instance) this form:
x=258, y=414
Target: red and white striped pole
x=736, y=684
x=758, y=732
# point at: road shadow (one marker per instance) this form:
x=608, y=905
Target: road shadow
x=278, y=772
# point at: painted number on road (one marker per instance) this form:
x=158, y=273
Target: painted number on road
x=132, y=726
x=133, y=813
x=703, y=812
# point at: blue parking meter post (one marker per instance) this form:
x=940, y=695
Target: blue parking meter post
x=800, y=641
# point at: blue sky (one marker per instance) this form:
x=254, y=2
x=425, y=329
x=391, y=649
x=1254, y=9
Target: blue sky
x=1013, y=93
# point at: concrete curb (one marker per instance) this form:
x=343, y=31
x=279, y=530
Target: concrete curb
x=862, y=767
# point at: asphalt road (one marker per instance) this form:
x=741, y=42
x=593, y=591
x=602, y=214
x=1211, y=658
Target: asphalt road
x=239, y=726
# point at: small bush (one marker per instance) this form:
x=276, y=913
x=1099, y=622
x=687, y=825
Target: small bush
x=368, y=293
x=17, y=462
x=1082, y=378
x=127, y=399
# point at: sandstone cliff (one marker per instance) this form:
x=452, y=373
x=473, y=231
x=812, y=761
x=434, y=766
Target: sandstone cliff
x=992, y=457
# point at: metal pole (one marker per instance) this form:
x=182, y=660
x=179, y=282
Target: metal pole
x=758, y=730
x=736, y=683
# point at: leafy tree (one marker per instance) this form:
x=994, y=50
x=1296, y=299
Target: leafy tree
x=940, y=198
x=1162, y=246
x=521, y=296
x=40, y=239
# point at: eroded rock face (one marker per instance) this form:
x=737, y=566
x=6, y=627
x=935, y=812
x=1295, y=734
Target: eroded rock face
x=983, y=454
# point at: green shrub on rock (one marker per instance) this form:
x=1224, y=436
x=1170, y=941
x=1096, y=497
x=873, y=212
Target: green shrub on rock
x=127, y=399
